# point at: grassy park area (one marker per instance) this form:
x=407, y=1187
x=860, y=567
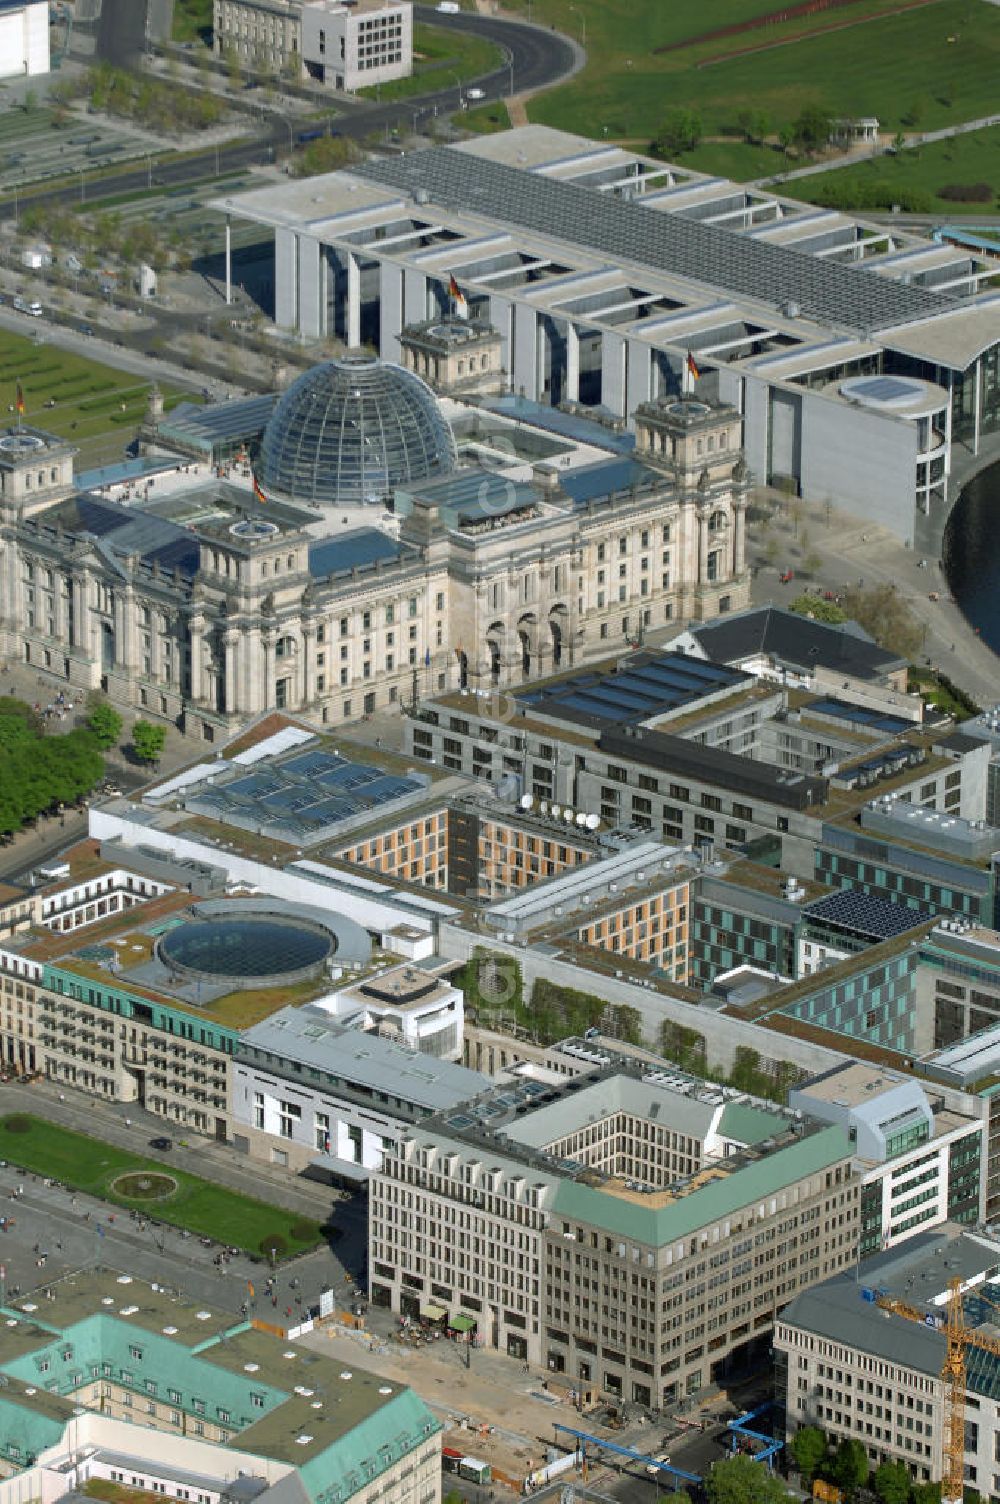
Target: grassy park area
x=92, y=405
x=914, y=177
x=166, y=1193
x=932, y=65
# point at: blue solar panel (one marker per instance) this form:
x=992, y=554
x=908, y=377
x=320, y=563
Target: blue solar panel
x=311, y=764
x=861, y=717
x=646, y=687
x=303, y=797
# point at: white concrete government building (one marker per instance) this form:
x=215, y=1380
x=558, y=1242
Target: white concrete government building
x=856, y=353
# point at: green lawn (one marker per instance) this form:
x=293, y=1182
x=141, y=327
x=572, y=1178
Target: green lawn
x=96, y=406
x=737, y=160
x=89, y=1165
x=440, y=54
x=943, y=58
x=966, y=159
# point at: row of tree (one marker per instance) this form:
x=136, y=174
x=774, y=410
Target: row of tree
x=105, y=725
x=39, y=774
x=848, y=1467
x=809, y=132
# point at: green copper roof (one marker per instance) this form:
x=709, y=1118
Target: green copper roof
x=654, y=1225
x=338, y=1428
x=749, y=1125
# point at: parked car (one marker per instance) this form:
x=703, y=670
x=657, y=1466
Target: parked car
x=161, y=1143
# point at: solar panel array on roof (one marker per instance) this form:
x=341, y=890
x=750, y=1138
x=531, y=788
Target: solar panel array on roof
x=647, y=686
x=864, y=914
x=842, y=711
x=848, y=296
x=301, y=799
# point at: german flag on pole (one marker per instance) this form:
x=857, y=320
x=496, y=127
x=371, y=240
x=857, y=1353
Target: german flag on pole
x=258, y=491
x=692, y=366
x=458, y=298
x=19, y=400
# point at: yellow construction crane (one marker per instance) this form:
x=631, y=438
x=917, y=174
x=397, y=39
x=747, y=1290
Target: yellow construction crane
x=958, y=1337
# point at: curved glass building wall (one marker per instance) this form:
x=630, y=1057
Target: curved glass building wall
x=350, y=431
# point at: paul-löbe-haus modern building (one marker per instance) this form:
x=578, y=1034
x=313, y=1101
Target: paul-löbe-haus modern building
x=637, y=1233
x=857, y=354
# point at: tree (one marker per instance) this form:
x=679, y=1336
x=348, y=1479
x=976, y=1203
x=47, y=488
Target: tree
x=106, y=724
x=850, y=1466
x=148, y=740
x=754, y=126
x=324, y=155
x=809, y=1450
x=891, y=1482
x=885, y=615
x=741, y=1480
x=811, y=129
x=680, y=132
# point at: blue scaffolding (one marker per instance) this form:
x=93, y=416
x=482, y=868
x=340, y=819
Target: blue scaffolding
x=599, y=1443
x=741, y=1430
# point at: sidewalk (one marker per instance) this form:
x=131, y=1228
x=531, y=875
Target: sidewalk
x=850, y=550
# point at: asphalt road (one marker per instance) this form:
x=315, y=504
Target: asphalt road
x=535, y=58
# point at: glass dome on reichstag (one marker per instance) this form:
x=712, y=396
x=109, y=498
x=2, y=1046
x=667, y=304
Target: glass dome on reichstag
x=350, y=431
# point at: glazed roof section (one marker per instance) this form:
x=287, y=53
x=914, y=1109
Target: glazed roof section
x=622, y=230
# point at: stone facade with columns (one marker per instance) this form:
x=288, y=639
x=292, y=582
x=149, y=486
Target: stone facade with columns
x=491, y=581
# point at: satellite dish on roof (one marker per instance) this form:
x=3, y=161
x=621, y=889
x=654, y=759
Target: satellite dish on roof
x=581, y=818
x=543, y=808
x=569, y=815
x=593, y=821
x=527, y=800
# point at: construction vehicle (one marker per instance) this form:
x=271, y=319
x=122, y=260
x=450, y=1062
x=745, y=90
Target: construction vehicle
x=958, y=1338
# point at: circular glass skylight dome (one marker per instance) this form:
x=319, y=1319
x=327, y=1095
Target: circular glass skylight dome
x=350, y=431
x=254, y=952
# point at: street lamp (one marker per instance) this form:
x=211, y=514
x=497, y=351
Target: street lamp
x=510, y=65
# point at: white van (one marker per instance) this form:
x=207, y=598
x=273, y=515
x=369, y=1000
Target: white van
x=35, y=309
x=652, y=1468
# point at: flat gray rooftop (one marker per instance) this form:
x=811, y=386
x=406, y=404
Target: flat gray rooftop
x=848, y=296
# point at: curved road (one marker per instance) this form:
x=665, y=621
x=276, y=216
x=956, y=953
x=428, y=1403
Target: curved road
x=536, y=58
